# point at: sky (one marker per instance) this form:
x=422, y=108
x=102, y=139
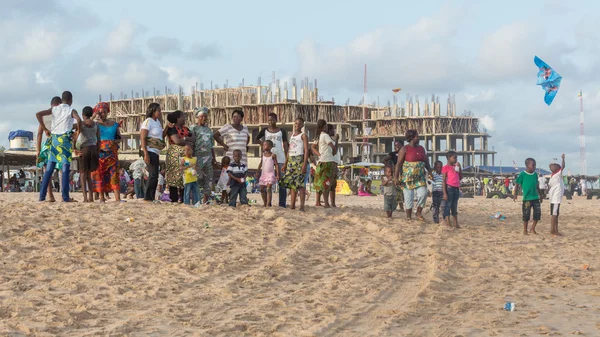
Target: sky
x=481, y=51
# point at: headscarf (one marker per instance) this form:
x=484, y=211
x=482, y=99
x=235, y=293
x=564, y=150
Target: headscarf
x=102, y=105
x=201, y=111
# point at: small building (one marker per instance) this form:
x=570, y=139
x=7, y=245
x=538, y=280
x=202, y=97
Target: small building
x=20, y=140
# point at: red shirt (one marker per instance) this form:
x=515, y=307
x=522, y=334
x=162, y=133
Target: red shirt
x=506, y=182
x=415, y=154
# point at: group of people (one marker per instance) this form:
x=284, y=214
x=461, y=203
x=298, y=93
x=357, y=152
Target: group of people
x=94, y=137
x=407, y=173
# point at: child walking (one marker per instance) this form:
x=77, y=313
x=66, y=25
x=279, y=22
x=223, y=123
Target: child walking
x=87, y=143
x=452, y=174
x=437, y=191
x=531, y=197
x=223, y=183
x=555, y=194
x=269, y=174
x=237, y=175
x=190, y=177
x=389, y=192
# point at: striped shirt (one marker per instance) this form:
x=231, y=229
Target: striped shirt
x=235, y=140
x=438, y=180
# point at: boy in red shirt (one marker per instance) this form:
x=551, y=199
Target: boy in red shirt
x=452, y=174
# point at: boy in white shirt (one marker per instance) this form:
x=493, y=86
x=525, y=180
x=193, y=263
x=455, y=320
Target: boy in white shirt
x=557, y=189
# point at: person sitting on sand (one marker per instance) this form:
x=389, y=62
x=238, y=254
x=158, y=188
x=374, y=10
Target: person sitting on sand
x=61, y=147
x=557, y=190
x=531, y=197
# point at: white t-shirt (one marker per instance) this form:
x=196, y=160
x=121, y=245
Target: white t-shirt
x=542, y=182
x=155, y=130
x=557, y=188
x=324, y=149
x=161, y=179
x=62, y=120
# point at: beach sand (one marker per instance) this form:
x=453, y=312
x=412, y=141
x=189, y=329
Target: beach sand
x=83, y=270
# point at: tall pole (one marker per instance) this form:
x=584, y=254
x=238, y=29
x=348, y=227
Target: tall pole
x=582, y=159
x=364, y=127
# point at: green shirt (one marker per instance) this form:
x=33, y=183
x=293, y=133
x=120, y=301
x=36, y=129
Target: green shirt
x=204, y=141
x=529, y=184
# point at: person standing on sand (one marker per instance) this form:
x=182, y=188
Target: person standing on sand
x=297, y=163
x=531, y=196
x=234, y=136
x=151, y=138
x=391, y=160
x=324, y=148
x=280, y=149
x=452, y=173
x=206, y=161
x=412, y=159
x=88, y=145
x=43, y=151
x=179, y=136
x=106, y=177
x=337, y=160
x=557, y=190
x=62, y=144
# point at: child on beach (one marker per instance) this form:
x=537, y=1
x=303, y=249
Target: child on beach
x=269, y=174
x=452, y=174
x=88, y=145
x=555, y=194
x=531, y=197
x=437, y=190
x=237, y=179
x=389, y=192
x=190, y=177
x=223, y=183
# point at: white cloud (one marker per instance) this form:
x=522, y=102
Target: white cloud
x=120, y=39
x=488, y=123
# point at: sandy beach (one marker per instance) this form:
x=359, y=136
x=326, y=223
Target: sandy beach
x=83, y=270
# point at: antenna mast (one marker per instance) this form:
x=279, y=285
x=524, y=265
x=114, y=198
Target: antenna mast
x=582, y=159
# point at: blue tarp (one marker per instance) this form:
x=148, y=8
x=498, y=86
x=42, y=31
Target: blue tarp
x=503, y=169
x=20, y=133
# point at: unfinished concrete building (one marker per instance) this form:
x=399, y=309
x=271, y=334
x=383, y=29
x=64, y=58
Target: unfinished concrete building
x=366, y=132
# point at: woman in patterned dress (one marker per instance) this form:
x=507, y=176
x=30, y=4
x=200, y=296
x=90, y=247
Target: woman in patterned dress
x=294, y=178
x=106, y=177
x=412, y=160
x=178, y=135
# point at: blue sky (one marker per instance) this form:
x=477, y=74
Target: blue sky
x=482, y=51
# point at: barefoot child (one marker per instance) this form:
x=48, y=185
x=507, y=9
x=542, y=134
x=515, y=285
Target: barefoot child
x=190, y=177
x=237, y=176
x=557, y=189
x=452, y=174
x=88, y=145
x=437, y=190
x=269, y=174
x=531, y=197
x=389, y=192
x=223, y=183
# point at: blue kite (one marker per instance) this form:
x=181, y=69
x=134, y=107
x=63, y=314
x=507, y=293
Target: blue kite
x=548, y=79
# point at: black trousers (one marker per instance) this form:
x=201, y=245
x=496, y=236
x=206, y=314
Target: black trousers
x=152, y=177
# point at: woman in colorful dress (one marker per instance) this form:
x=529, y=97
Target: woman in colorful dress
x=297, y=162
x=324, y=148
x=234, y=136
x=412, y=160
x=106, y=178
x=178, y=135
